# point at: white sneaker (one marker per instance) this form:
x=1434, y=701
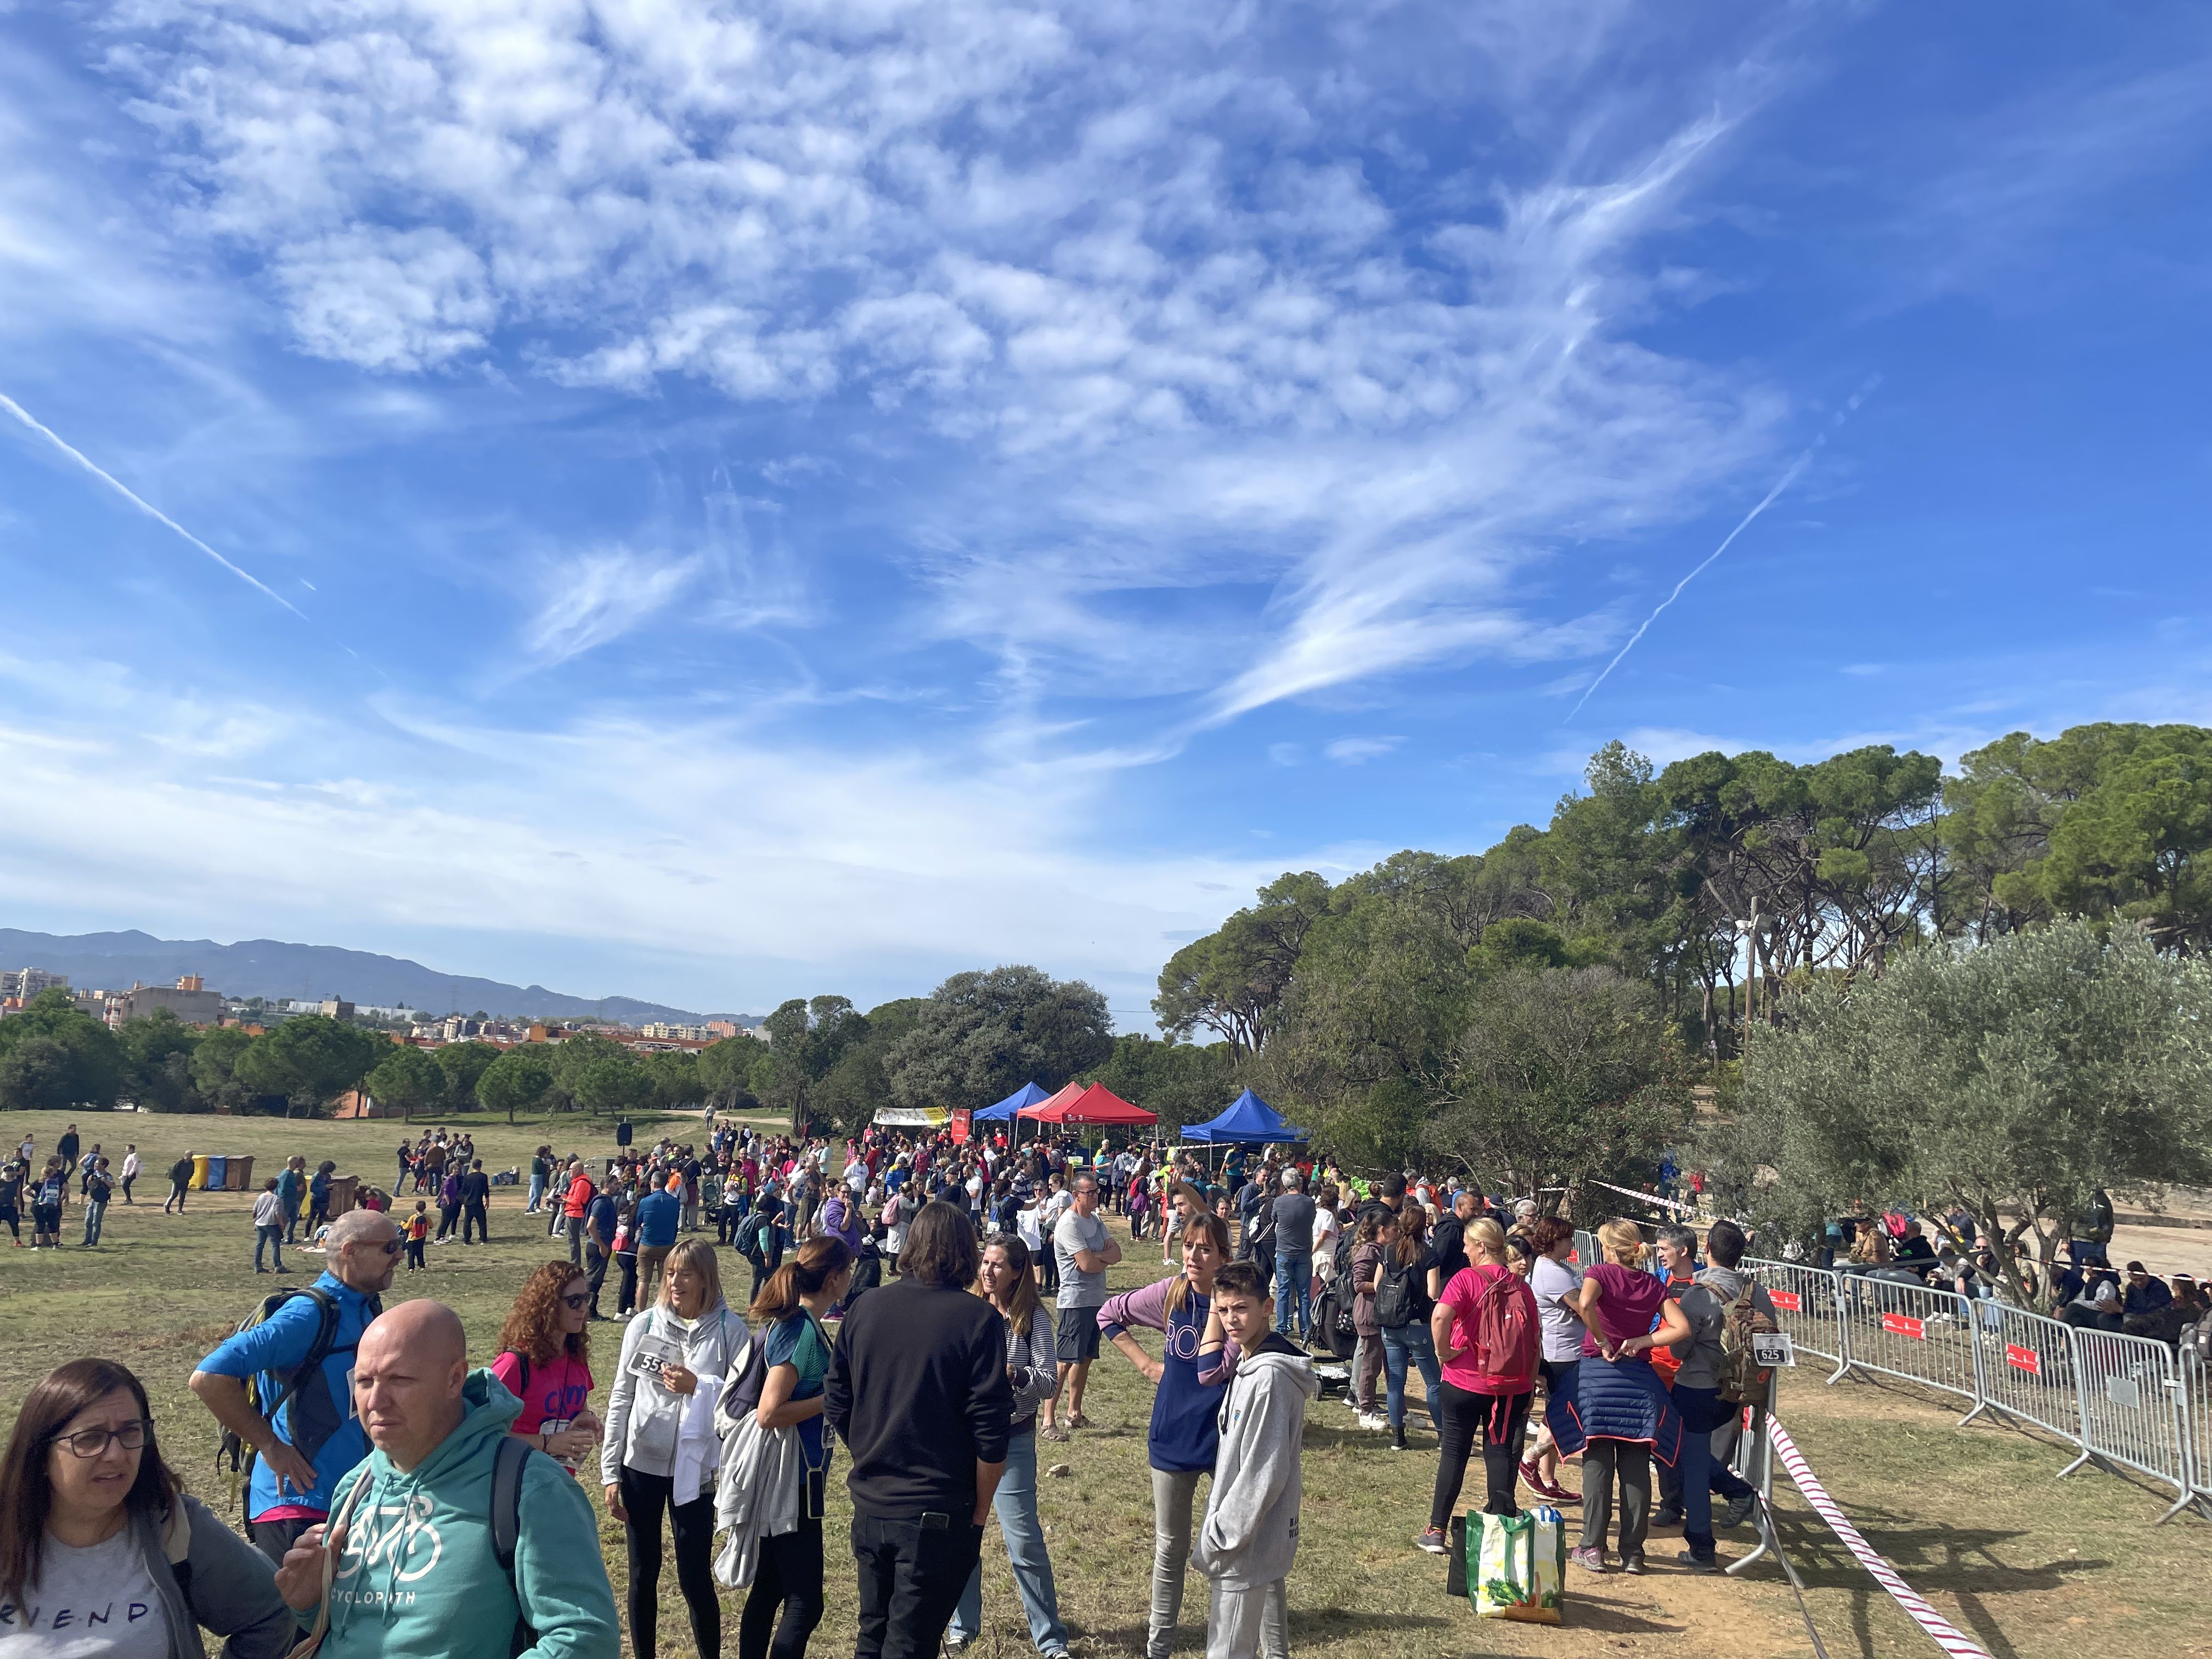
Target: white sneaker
x=1374, y=1420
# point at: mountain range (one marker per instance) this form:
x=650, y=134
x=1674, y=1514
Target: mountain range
x=272, y=968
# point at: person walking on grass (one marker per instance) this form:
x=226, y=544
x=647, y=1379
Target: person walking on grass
x=49, y=1198
x=1184, y=1435
x=476, y=1198
x=98, y=1188
x=1617, y=1413
x=101, y=1554
x=918, y=1390
x=292, y=1194
x=1487, y=1336
x=268, y=1225
x=316, y=1436
x=1032, y=1367
x=785, y=1602
x=1249, y=1538
x=675, y=1357
x=131, y=1165
x=1085, y=1250
x=181, y=1181
x=410, y=1564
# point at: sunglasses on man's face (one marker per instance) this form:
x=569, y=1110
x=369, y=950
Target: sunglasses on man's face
x=390, y=1247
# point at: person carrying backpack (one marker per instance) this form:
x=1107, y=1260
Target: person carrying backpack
x=1486, y=1335
x=1402, y=1307
x=1718, y=1376
x=283, y=1384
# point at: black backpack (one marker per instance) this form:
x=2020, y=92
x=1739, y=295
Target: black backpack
x=1396, y=1302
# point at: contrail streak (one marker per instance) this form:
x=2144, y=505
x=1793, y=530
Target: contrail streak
x=152, y=511
x=1788, y=478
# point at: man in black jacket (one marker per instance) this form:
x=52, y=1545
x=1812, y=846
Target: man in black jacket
x=917, y=1390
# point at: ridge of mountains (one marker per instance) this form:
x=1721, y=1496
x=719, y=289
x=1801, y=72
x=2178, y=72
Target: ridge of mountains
x=272, y=968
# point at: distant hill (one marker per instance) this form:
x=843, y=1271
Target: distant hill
x=270, y=968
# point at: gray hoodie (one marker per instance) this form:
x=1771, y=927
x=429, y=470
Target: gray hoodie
x=1251, y=1532
x=1704, y=1304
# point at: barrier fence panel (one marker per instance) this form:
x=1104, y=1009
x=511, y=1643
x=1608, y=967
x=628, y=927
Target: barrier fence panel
x=2131, y=1407
x=1911, y=1331
x=1805, y=1305
x=2196, y=1417
x=1587, y=1252
x=2027, y=1369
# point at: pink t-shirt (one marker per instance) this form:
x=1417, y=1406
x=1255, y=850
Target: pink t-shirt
x=1461, y=1296
x=558, y=1390
x=1627, y=1303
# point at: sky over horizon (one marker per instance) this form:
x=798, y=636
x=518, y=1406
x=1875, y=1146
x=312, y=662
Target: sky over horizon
x=715, y=503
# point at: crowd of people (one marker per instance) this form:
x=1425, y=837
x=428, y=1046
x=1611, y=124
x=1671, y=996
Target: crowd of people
x=935, y=1307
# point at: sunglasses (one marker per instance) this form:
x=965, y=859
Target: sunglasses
x=390, y=1247
x=91, y=1442
x=572, y=1303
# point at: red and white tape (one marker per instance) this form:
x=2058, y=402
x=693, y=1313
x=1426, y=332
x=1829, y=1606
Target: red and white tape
x=1946, y=1635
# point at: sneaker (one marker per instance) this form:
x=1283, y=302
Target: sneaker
x=1667, y=1515
x=1374, y=1420
x=1398, y=1439
x=1432, y=1541
x=1697, y=1563
x=1589, y=1559
x=1532, y=1474
x=1633, y=1564
x=1739, y=1509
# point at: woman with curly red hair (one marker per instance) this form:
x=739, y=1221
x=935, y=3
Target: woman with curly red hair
x=546, y=1361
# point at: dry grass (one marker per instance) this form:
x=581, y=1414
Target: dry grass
x=1975, y=1520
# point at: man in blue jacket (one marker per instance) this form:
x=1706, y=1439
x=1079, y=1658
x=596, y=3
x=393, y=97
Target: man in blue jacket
x=313, y=1437
x=413, y=1550
x=658, y=1213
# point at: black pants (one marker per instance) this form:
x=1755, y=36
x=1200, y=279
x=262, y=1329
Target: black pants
x=176, y=1197
x=447, y=1215
x=595, y=1273
x=627, y=1261
x=645, y=1497
x=473, y=1216
x=15, y=1226
x=415, y=1248
x=127, y=1180
x=273, y=1538
x=911, y=1577
x=1495, y=1425
x=789, y=1579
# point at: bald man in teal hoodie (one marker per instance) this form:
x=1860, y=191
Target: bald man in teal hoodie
x=413, y=1572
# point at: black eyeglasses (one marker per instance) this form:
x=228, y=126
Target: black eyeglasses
x=575, y=1302
x=91, y=1442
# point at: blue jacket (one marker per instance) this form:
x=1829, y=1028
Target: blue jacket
x=657, y=1214
x=280, y=1343
x=1615, y=1400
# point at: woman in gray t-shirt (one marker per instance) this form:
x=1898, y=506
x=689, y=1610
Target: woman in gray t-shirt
x=1555, y=1282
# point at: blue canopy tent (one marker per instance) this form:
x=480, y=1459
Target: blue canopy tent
x=1028, y=1095
x=1249, y=1121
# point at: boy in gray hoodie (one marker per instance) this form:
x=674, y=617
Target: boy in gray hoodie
x=1251, y=1531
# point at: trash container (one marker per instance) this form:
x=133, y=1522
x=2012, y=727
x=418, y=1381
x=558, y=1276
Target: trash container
x=199, y=1181
x=218, y=1173
x=343, y=1189
x=238, y=1173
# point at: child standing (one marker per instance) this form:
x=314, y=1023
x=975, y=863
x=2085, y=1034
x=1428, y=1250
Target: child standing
x=1251, y=1532
x=418, y=1234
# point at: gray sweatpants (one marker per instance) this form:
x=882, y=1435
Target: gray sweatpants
x=1246, y=1623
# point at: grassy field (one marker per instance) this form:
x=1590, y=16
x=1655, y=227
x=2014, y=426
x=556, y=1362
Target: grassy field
x=2029, y=1564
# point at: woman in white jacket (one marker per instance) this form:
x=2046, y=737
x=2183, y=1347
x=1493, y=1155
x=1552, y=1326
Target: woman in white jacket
x=675, y=1357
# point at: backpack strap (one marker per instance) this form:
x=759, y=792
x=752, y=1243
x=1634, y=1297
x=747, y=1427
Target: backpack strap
x=506, y=1500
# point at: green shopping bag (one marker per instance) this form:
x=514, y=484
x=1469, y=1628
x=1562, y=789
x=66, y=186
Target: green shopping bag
x=1516, y=1565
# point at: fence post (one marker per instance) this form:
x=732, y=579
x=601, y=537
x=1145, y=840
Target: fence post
x=1756, y=1451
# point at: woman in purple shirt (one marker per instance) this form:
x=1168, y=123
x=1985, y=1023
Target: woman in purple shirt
x=1617, y=1413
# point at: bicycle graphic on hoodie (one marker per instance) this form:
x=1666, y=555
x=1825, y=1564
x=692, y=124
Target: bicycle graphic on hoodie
x=398, y=1536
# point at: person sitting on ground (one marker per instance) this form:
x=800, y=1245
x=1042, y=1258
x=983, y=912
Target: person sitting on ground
x=437, y=1427
x=2144, y=1300
x=102, y=1556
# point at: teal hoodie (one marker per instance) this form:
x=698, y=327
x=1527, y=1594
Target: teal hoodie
x=418, y=1577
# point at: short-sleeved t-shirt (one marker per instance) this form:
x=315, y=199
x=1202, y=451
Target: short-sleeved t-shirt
x=1464, y=1290
x=1628, y=1302
x=1076, y=1232
x=1552, y=1282
x=89, y=1601
x=1294, y=1223
x=557, y=1391
x=797, y=1342
x=280, y=1343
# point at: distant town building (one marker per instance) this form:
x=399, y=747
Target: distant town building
x=678, y=1033
x=333, y=1008
x=724, y=1028
x=21, y=984
x=189, y=1000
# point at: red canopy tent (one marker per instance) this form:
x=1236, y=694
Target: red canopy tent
x=1094, y=1104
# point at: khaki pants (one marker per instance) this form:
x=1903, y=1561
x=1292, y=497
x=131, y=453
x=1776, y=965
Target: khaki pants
x=650, y=1260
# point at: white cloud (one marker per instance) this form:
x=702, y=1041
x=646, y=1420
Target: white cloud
x=591, y=597
x=1358, y=751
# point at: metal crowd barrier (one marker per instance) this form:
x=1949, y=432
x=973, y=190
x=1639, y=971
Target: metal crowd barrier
x=1588, y=1253
x=2121, y=1402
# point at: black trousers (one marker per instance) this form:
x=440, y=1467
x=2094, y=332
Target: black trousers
x=911, y=1577
x=473, y=1216
x=1495, y=1425
x=789, y=1580
x=273, y=1538
x=448, y=1214
x=627, y=1261
x=646, y=1496
x=595, y=1270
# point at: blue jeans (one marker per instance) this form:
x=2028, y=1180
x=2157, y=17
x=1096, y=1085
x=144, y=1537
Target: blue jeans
x=94, y=1215
x=1399, y=1343
x=1015, y=1505
x=1294, y=1286
x=1702, y=1412
x=273, y=1237
x=537, y=1194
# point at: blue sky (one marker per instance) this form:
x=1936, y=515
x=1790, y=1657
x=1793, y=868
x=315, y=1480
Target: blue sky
x=725, y=503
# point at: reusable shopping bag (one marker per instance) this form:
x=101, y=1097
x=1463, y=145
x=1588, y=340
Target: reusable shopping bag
x=1516, y=1565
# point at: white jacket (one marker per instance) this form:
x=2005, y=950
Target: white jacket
x=759, y=1494
x=644, y=1421
x=1251, y=1532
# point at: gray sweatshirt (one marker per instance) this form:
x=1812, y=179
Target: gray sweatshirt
x=1704, y=1304
x=1251, y=1532
x=643, y=1419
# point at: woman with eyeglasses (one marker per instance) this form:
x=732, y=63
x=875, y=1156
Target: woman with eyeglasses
x=546, y=1361
x=101, y=1554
